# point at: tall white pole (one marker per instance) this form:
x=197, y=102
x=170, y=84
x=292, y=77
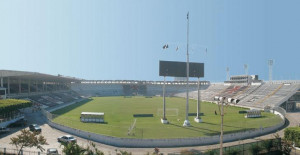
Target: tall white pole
x=227, y=77
x=198, y=99
x=164, y=99
x=221, y=136
x=246, y=69
x=164, y=119
x=187, y=122
x=270, y=63
x=198, y=118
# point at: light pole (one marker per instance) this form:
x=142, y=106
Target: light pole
x=227, y=71
x=186, y=121
x=270, y=64
x=222, y=100
x=246, y=69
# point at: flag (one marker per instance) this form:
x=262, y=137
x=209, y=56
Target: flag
x=187, y=17
x=165, y=46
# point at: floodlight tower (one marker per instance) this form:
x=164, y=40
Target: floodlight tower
x=270, y=64
x=227, y=76
x=186, y=121
x=246, y=69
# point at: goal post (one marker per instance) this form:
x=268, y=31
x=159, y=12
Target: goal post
x=169, y=112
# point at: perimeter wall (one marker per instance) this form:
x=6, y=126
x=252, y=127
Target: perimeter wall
x=144, y=143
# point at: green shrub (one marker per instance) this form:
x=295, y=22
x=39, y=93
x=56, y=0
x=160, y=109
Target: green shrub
x=267, y=144
x=10, y=106
x=293, y=134
x=255, y=149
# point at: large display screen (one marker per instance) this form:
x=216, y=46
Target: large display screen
x=178, y=69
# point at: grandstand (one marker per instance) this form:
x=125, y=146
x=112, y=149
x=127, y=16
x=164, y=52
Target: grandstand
x=43, y=89
x=131, y=88
x=271, y=94
x=50, y=90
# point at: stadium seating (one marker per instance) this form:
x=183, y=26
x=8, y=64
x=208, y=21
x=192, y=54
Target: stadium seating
x=256, y=96
x=53, y=99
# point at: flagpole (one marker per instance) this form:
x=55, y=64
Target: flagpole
x=187, y=122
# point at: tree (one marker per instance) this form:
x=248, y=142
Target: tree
x=156, y=150
x=268, y=145
x=124, y=153
x=73, y=148
x=92, y=150
x=254, y=149
x=286, y=146
x=28, y=139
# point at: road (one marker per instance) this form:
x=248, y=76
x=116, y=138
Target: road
x=51, y=135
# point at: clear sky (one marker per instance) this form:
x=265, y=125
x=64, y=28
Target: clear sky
x=114, y=40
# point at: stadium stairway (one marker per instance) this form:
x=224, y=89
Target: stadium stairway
x=269, y=95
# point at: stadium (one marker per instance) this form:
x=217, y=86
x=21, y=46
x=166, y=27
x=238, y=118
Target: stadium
x=149, y=77
x=133, y=109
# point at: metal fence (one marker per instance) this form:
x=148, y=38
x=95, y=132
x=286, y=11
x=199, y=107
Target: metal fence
x=259, y=147
x=249, y=148
x=6, y=151
x=15, y=116
x=280, y=110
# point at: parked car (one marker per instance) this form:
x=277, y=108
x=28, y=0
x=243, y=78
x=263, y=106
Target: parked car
x=52, y=151
x=20, y=122
x=67, y=139
x=4, y=130
x=35, y=128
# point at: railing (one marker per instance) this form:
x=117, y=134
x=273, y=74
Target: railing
x=280, y=110
x=7, y=151
x=24, y=95
x=11, y=118
x=140, y=82
x=283, y=81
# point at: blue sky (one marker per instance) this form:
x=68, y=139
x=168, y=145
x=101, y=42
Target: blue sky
x=115, y=40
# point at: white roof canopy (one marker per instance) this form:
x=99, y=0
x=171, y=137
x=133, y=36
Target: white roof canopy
x=92, y=113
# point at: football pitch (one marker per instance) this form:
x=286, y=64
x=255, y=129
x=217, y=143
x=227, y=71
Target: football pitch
x=119, y=118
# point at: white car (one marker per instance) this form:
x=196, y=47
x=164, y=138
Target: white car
x=4, y=129
x=67, y=139
x=52, y=151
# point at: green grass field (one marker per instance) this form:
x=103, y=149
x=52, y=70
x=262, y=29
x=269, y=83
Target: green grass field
x=119, y=117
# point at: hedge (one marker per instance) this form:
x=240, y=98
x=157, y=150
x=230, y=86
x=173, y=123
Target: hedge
x=10, y=106
x=293, y=134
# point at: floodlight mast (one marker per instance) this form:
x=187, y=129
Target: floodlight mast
x=246, y=68
x=227, y=76
x=186, y=121
x=270, y=63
